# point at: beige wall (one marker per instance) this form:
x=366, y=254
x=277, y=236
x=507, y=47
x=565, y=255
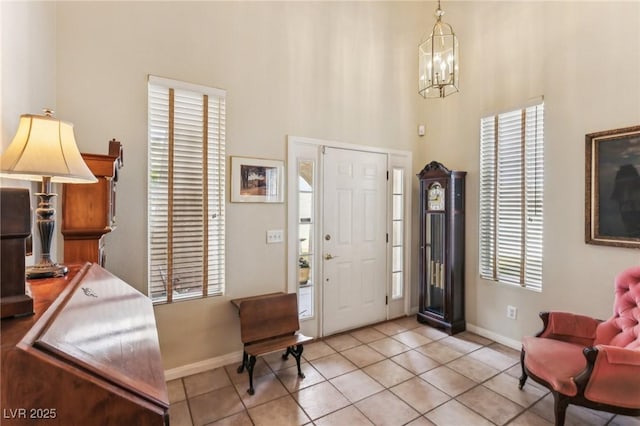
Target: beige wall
x=27, y=73
x=346, y=72
x=584, y=58
x=337, y=71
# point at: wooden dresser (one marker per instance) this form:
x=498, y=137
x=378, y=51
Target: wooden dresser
x=89, y=355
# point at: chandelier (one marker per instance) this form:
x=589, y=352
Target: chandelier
x=438, y=61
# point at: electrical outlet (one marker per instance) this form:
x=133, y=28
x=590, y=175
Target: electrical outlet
x=512, y=312
x=275, y=236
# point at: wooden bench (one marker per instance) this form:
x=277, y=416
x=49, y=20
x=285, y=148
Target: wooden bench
x=267, y=324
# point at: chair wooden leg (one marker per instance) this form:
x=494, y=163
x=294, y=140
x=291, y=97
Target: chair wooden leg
x=250, y=365
x=560, y=404
x=524, y=376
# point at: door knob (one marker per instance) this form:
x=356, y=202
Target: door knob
x=329, y=256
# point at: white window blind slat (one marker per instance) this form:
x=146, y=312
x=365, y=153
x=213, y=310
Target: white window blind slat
x=186, y=222
x=487, y=206
x=511, y=197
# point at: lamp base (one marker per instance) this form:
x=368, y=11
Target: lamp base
x=46, y=271
x=45, y=222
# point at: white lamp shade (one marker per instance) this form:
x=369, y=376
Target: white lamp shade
x=44, y=146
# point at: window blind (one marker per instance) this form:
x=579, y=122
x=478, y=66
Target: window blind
x=511, y=197
x=186, y=170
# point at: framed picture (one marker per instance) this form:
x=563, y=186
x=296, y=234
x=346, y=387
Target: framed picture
x=254, y=180
x=612, y=181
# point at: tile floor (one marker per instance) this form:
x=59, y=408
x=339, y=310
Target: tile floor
x=395, y=373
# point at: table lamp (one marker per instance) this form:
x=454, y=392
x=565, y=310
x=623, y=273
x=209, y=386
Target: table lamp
x=44, y=149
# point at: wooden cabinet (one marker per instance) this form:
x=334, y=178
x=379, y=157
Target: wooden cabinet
x=89, y=210
x=441, y=264
x=89, y=355
x=15, y=227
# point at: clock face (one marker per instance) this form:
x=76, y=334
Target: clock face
x=435, y=199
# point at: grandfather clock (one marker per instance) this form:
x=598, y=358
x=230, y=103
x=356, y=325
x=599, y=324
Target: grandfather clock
x=441, y=265
x=89, y=211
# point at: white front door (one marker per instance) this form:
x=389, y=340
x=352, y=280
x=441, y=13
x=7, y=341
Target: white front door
x=354, y=240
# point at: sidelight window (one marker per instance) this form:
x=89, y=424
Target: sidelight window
x=306, y=232
x=397, y=233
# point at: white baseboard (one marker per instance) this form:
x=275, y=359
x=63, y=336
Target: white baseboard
x=236, y=357
x=513, y=344
x=204, y=365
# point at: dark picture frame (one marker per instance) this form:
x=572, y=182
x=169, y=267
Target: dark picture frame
x=612, y=187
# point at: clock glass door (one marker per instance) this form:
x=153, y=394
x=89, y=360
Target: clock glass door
x=434, y=261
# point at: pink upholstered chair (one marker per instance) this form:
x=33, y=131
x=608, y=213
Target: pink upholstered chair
x=588, y=362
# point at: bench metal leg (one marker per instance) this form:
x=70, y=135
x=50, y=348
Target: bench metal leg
x=245, y=362
x=250, y=365
x=297, y=353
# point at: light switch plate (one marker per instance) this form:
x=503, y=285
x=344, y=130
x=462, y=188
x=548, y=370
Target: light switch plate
x=275, y=236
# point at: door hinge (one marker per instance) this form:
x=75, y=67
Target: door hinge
x=323, y=149
x=386, y=300
x=387, y=237
x=387, y=174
